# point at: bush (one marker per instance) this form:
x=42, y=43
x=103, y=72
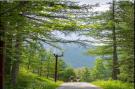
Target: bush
x=113, y=84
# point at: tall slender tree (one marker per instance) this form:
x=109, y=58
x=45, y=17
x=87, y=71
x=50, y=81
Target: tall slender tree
x=115, y=55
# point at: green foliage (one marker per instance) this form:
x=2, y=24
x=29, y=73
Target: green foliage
x=100, y=50
x=31, y=22
x=112, y=84
x=127, y=71
x=100, y=70
x=67, y=74
x=86, y=76
x=28, y=80
x=126, y=40
x=27, y=26
x=124, y=29
x=41, y=62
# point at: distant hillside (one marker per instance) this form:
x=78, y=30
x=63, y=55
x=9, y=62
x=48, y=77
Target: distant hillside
x=75, y=57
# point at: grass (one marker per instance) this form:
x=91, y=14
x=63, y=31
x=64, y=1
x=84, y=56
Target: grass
x=113, y=84
x=28, y=80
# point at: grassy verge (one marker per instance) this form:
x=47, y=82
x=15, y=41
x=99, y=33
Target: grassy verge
x=111, y=84
x=28, y=80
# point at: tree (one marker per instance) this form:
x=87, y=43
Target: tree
x=99, y=71
x=115, y=71
x=125, y=24
x=67, y=74
x=116, y=34
x=27, y=22
x=86, y=76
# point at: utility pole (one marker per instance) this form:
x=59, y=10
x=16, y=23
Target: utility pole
x=56, y=65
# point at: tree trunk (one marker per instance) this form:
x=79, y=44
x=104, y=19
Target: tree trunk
x=48, y=69
x=14, y=72
x=28, y=63
x=2, y=55
x=15, y=65
x=8, y=58
x=40, y=68
x=115, y=56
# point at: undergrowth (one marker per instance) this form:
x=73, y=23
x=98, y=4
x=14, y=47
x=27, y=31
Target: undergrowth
x=113, y=84
x=28, y=80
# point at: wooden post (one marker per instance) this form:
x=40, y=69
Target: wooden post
x=56, y=62
x=56, y=66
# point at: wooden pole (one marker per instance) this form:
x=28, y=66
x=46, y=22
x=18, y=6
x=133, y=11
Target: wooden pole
x=56, y=66
x=56, y=62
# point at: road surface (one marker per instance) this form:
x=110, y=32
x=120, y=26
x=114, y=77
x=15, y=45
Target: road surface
x=78, y=85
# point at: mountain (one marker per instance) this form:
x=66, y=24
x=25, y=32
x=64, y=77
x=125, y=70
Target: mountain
x=75, y=56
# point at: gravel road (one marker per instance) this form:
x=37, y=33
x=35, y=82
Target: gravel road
x=78, y=85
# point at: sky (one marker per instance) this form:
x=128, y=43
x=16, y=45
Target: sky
x=103, y=5
x=92, y=1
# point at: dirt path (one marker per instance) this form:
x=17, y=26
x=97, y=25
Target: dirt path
x=78, y=85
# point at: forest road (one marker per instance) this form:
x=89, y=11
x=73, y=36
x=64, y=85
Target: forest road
x=78, y=85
